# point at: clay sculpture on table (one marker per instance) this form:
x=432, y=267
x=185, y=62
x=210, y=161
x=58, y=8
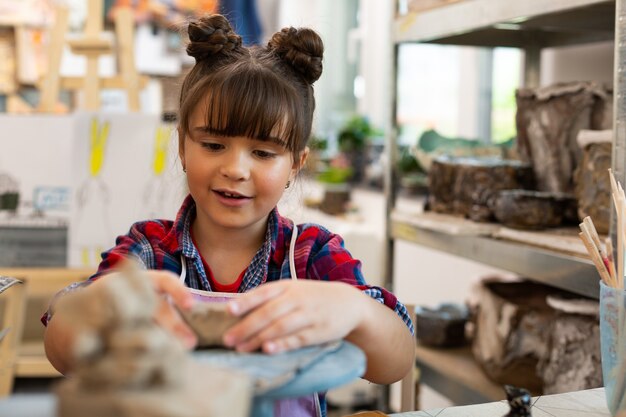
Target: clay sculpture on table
x=127, y=365
x=519, y=400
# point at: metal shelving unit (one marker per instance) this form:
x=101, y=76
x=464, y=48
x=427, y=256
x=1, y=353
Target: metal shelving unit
x=531, y=25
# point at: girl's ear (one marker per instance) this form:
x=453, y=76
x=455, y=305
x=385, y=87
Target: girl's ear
x=299, y=164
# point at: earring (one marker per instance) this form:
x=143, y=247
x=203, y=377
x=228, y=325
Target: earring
x=184, y=169
x=288, y=184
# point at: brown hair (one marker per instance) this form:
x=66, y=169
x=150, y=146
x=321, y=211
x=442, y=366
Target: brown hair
x=259, y=92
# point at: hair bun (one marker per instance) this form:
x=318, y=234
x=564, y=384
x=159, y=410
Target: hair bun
x=211, y=35
x=302, y=49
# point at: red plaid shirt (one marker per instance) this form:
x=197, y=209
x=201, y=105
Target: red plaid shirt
x=319, y=255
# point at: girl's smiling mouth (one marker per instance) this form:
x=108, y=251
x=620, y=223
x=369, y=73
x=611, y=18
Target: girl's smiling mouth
x=231, y=198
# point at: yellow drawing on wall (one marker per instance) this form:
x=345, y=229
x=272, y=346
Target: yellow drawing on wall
x=97, y=141
x=93, y=197
x=161, y=139
x=155, y=190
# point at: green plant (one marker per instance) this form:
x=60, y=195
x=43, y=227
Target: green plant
x=317, y=143
x=407, y=162
x=337, y=171
x=335, y=175
x=355, y=134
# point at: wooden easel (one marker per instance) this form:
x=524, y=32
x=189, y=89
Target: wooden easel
x=11, y=321
x=92, y=46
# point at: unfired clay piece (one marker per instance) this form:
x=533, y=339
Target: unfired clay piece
x=210, y=321
x=127, y=365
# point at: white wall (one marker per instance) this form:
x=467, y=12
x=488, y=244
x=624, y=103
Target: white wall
x=375, y=63
x=36, y=151
x=565, y=64
x=467, y=105
x=331, y=19
x=375, y=68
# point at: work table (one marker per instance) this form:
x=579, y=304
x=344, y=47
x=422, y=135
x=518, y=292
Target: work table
x=588, y=403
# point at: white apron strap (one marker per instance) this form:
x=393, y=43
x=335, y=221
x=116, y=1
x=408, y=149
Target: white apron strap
x=183, y=272
x=294, y=276
x=292, y=249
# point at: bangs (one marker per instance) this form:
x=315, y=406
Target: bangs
x=257, y=106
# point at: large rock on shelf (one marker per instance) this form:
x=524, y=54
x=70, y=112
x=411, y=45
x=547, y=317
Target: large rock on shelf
x=602, y=111
x=572, y=361
x=538, y=337
x=548, y=121
x=512, y=325
x=525, y=209
x=593, y=185
x=468, y=186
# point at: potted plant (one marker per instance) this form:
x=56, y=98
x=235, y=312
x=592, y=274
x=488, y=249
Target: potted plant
x=9, y=193
x=353, y=140
x=335, y=178
x=413, y=179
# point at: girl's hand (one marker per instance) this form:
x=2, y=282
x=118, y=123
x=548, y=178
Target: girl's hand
x=60, y=333
x=286, y=315
x=173, y=293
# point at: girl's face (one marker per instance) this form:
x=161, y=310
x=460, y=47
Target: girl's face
x=235, y=181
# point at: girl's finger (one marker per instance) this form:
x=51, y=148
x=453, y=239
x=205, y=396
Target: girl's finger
x=256, y=297
x=258, y=320
x=168, y=318
x=166, y=282
x=281, y=328
x=186, y=335
x=303, y=338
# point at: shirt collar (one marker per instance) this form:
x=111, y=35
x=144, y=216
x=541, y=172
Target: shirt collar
x=180, y=237
x=257, y=271
x=272, y=249
x=280, y=236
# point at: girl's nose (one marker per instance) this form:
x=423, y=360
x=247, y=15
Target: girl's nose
x=235, y=166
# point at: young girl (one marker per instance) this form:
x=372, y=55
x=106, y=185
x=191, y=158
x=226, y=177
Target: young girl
x=245, y=119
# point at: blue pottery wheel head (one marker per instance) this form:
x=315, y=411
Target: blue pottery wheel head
x=296, y=373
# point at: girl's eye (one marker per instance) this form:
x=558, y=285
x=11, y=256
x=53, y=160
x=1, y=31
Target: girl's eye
x=264, y=154
x=211, y=146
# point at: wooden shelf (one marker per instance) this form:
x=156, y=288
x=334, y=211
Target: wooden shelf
x=454, y=373
x=511, y=23
x=558, y=260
